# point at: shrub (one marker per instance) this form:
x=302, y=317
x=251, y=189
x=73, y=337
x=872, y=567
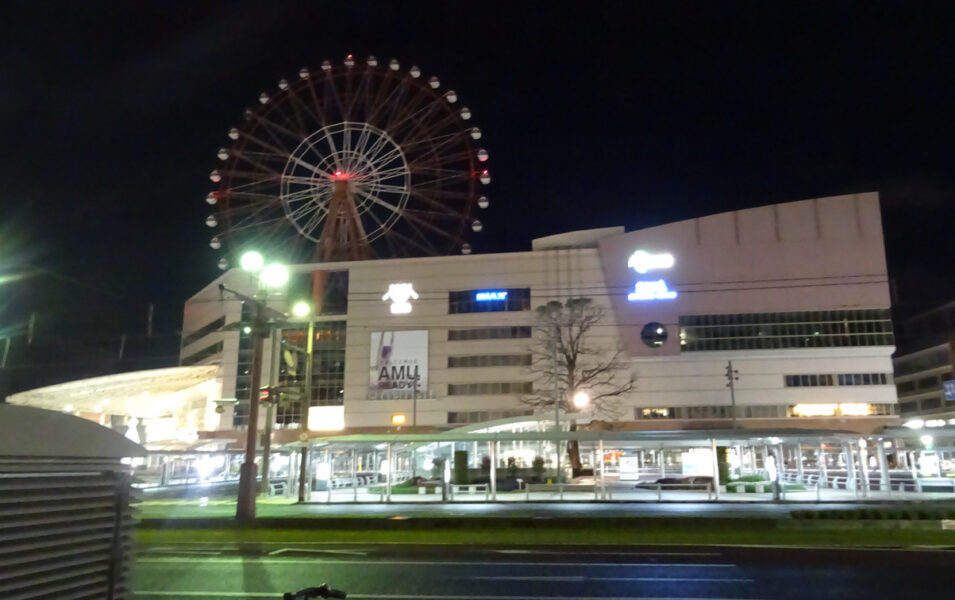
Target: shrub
x=538, y=467
x=511, y=467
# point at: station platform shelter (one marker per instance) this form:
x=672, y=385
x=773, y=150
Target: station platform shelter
x=517, y=461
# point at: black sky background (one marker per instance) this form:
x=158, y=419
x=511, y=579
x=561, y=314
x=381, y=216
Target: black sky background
x=594, y=114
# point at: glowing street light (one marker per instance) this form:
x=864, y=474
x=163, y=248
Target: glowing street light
x=581, y=400
x=251, y=261
x=274, y=275
x=301, y=309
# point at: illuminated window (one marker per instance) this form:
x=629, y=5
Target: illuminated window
x=489, y=333
x=766, y=331
x=490, y=360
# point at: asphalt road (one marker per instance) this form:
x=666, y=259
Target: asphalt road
x=417, y=572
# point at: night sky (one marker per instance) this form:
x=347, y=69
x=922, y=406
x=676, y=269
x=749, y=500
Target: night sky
x=626, y=113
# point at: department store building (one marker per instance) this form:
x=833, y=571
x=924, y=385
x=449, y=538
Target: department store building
x=795, y=296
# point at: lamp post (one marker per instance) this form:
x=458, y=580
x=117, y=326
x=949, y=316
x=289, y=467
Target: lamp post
x=270, y=276
x=302, y=309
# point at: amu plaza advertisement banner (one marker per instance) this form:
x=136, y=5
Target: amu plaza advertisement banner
x=399, y=364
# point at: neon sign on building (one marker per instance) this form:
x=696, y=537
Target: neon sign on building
x=643, y=262
x=488, y=296
x=400, y=295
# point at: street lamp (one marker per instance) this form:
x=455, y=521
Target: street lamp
x=580, y=401
x=273, y=275
x=304, y=309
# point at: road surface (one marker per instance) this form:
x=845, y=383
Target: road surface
x=418, y=572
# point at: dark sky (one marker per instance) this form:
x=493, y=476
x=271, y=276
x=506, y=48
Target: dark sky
x=597, y=114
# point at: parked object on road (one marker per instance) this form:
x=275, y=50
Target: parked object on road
x=322, y=591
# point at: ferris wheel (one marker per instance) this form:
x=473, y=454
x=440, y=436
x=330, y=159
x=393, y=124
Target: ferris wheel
x=350, y=162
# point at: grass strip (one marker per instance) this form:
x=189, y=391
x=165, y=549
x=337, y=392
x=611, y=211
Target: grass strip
x=641, y=531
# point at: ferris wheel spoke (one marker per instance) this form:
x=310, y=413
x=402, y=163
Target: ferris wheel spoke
x=386, y=103
x=418, y=222
x=298, y=179
x=391, y=173
x=377, y=201
x=271, y=128
x=336, y=96
x=415, y=118
x=296, y=106
x=415, y=241
x=440, y=207
x=305, y=194
x=330, y=140
x=441, y=140
x=424, y=126
x=386, y=159
x=393, y=189
x=312, y=223
x=401, y=113
x=315, y=105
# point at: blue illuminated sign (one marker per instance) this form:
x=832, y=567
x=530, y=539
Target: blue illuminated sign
x=651, y=290
x=643, y=262
x=950, y=389
x=487, y=296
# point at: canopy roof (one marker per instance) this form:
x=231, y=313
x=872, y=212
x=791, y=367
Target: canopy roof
x=651, y=439
x=34, y=432
x=136, y=392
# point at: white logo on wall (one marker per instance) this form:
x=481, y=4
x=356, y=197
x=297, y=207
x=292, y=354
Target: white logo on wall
x=643, y=262
x=399, y=364
x=400, y=295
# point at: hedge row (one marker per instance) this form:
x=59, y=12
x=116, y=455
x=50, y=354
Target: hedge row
x=879, y=514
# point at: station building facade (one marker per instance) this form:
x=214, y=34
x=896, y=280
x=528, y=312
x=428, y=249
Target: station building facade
x=795, y=296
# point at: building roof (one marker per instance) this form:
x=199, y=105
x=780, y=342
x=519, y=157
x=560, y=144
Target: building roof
x=34, y=432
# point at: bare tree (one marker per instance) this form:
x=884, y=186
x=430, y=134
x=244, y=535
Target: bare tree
x=566, y=363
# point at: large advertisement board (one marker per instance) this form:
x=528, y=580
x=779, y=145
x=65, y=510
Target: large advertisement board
x=399, y=364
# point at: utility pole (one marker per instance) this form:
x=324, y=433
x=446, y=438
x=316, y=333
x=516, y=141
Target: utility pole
x=732, y=375
x=414, y=401
x=556, y=403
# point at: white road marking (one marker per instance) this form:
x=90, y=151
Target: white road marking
x=572, y=553
x=213, y=594
x=318, y=550
x=469, y=563
x=582, y=578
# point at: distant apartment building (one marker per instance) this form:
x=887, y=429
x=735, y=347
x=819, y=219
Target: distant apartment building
x=925, y=361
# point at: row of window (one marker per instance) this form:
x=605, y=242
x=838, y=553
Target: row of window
x=828, y=379
x=472, y=301
x=911, y=406
x=203, y=331
x=490, y=360
x=711, y=412
x=923, y=361
x=764, y=331
x=930, y=382
x=489, y=388
x=480, y=416
x=489, y=333
x=201, y=354
x=766, y=412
